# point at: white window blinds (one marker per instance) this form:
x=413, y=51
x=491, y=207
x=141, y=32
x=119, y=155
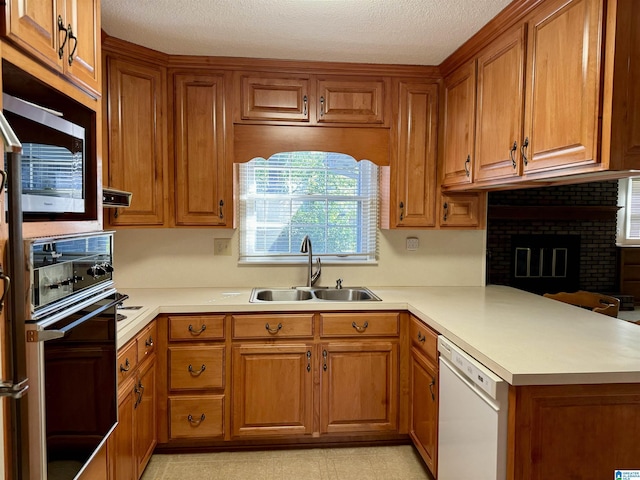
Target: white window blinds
x=633, y=209
x=328, y=196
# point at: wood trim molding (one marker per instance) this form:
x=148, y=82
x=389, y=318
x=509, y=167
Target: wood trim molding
x=512, y=13
x=543, y=212
x=132, y=51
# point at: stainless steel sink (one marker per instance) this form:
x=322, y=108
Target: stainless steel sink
x=280, y=295
x=351, y=294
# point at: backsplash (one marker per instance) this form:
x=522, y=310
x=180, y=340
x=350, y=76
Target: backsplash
x=598, y=254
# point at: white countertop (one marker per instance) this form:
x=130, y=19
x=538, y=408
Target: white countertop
x=524, y=338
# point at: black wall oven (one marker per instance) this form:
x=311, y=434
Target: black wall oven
x=71, y=352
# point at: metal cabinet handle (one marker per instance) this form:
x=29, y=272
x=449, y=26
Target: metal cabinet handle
x=360, y=329
x=322, y=106
x=198, y=332
x=467, y=165
x=431, y=385
x=3, y=182
x=421, y=338
x=148, y=342
x=308, y=360
x=512, y=152
x=196, y=422
x=324, y=360
x=445, y=208
x=198, y=373
x=126, y=367
x=304, y=101
x=523, y=151
x=64, y=40
x=139, y=391
x=75, y=44
x=221, y=214
x=273, y=331
x=401, y=211
x=7, y=284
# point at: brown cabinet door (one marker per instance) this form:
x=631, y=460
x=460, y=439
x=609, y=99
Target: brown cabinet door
x=351, y=100
x=272, y=390
x=462, y=209
x=416, y=170
x=500, y=107
x=200, y=168
x=264, y=97
x=563, y=85
x=459, y=125
x=359, y=387
x=137, y=141
x=424, y=408
x=122, y=457
x=84, y=18
x=33, y=24
x=145, y=434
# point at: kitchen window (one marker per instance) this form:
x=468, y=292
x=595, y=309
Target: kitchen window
x=329, y=196
x=629, y=215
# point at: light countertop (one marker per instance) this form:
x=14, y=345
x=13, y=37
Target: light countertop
x=524, y=338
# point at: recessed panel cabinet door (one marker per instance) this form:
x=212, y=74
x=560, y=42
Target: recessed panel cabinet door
x=199, y=151
x=417, y=137
x=359, y=387
x=137, y=143
x=500, y=108
x=84, y=18
x=424, y=408
x=351, y=100
x=563, y=85
x=272, y=390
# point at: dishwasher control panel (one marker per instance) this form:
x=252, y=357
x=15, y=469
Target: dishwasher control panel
x=468, y=366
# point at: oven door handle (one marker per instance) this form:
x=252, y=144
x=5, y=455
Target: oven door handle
x=44, y=335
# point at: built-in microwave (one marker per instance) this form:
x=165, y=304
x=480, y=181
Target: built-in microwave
x=54, y=161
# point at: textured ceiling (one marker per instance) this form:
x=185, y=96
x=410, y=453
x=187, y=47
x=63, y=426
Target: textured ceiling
x=413, y=32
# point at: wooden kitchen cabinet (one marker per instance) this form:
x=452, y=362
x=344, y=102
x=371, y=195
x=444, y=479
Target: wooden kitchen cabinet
x=459, y=126
x=462, y=210
x=424, y=392
x=413, y=187
x=311, y=99
x=202, y=177
x=62, y=34
x=137, y=140
x=131, y=444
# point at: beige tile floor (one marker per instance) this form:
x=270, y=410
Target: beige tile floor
x=363, y=463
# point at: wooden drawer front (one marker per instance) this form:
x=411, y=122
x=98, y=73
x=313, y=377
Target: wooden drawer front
x=272, y=326
x=147, y=341
x=196, y=327
x=424, y=339
x=350, y=325
x=196, y=417
x=196, y=368
x=127, y=361
x=270, y=98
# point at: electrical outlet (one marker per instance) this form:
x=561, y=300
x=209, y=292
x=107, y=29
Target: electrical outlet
x=222, y=246
x=412, y=243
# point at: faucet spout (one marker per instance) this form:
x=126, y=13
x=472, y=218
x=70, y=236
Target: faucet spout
x=312, y=277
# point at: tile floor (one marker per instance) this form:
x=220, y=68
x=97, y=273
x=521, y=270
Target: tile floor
x=363, y=463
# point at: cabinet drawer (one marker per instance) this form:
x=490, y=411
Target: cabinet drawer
x=127, y=361
x=196, y=327
x=272, y=326
x=424, y=339
x=147, y=341
x=349, y=325
x=196, y=368
x=196, y=417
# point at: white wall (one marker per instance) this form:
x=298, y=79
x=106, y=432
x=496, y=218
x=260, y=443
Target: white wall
x=157, y=258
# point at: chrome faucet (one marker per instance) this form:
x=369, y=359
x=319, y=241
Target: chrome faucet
x=312, y=277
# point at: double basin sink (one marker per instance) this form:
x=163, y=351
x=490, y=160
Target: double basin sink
x=346, y=294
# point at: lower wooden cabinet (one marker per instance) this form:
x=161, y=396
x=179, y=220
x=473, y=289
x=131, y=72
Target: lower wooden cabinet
x=424, y=408
x=272, y=389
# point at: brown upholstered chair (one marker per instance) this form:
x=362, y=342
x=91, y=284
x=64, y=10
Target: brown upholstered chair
x=594, y=301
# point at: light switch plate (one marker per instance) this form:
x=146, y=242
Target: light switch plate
x=222, y=246
x=413, y=243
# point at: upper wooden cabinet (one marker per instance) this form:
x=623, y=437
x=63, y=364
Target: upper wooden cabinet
x=311, y=99
x=137, y=141
x=201, y=174
x=459, y=126
x=63, y=34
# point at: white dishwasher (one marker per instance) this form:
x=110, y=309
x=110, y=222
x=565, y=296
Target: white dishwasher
x=472, y=419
